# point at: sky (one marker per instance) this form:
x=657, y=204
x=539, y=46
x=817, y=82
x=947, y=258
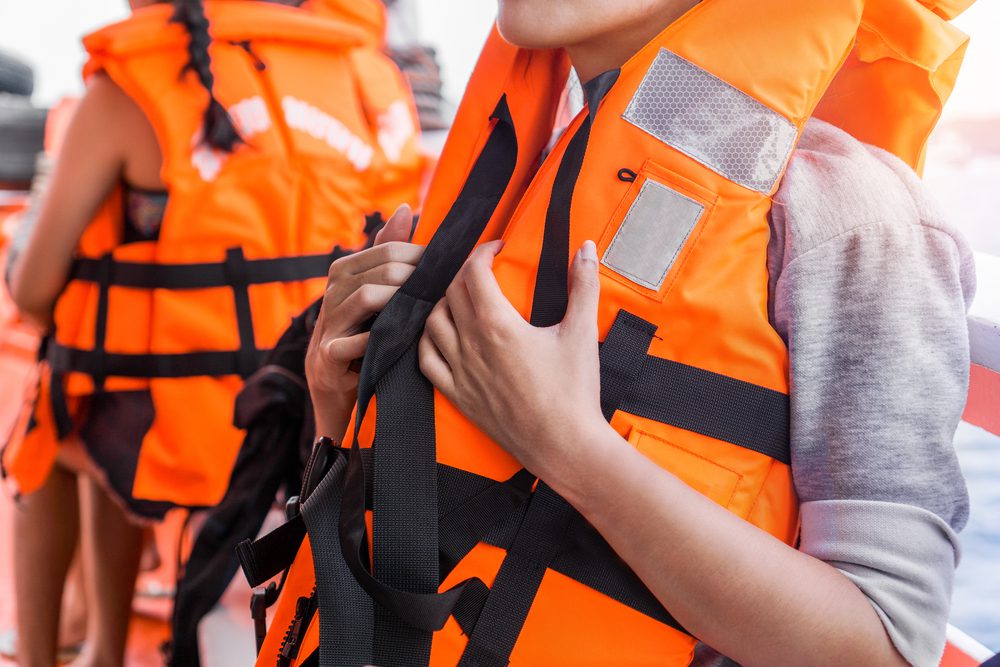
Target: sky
x=48, y=32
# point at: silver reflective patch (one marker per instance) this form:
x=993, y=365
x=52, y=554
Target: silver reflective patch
x=718, y=125
x=652, y=234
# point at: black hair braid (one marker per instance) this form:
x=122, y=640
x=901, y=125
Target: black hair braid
x=219, y=130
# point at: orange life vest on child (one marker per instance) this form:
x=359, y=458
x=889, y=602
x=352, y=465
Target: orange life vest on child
x=385, y=98
x=245, y=243
x=670, y=168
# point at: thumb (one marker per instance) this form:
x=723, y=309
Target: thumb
x=398, y=227
x=584, y=289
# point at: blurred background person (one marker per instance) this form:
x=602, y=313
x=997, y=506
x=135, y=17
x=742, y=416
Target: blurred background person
x=207, y=179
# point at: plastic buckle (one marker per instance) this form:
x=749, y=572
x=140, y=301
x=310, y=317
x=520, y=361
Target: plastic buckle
x=292, y=507
x=261, y=598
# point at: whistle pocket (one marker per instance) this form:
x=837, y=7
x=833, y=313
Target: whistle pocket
x=653, y=229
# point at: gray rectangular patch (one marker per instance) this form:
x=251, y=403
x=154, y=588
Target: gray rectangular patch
x=652, y=234
x=709, y=120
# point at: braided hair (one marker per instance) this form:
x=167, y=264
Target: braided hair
x=219, y=130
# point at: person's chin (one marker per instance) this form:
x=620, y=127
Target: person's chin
x=521, y=26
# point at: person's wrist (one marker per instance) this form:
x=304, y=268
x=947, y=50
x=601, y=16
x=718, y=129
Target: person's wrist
x=332, y=410
x=585, y=448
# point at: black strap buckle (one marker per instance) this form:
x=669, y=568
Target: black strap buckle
x=261, y=598
x=292, y=507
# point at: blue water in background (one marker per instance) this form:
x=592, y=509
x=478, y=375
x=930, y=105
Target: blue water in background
x=976, y=601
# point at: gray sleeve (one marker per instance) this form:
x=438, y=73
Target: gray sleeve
x=900, y=556
x=874, y=318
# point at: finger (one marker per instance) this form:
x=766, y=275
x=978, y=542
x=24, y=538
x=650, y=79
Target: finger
x=584, y=290
x=441, y=329
x=341, y=287
x=435, y=368
x=398, y=227
x=331, y=356
x=388, y=252
x=390, y=273
x=460, y=306
x=335, y=352
x=480, y=282
x=358, y=308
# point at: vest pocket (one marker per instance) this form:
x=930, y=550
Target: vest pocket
x=653, y=229
x=703, y=475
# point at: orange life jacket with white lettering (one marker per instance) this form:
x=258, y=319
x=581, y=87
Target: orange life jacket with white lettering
x=385, y=98
x=245, y=243
x=424, y=541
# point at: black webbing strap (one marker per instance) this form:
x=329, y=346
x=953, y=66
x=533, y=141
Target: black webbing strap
x=470, y=605
x=586, y=557
x=469, y=508
x=268, y=555
x=521, y=572
x=60, y=407
x=475, y=509
x=340, y=598
x=148, y=275
x=63, y=359
x=392, y=343
x=405, y=506
x=272, y=553
x=517, y=581
x=236, y=274
x=101, y=321
x=97, y=358
x=543, y=531
x=467, y=518
x=548, y=305
x=715, y=405
x=551, y=294
x=548, y=515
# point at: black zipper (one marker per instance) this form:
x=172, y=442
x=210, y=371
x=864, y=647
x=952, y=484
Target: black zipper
x=305, y=609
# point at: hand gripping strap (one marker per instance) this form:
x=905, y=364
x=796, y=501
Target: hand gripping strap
x=542, y=533
x=409, y=595
x=548, y=515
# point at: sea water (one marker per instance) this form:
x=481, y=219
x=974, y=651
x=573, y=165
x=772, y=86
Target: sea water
x=976, y=601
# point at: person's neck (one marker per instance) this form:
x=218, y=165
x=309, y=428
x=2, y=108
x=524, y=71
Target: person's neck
x=611, y=50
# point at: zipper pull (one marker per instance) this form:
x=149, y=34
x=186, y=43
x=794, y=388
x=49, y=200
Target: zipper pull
x=304, y=610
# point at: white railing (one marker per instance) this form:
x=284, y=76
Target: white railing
x=967, y=645
x=983, y=406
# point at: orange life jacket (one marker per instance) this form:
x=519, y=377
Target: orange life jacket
x=385, y=98
x=246, y=240
x=670, y=168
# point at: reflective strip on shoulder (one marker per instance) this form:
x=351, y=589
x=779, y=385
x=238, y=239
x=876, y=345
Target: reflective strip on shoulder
x=709, y=120
x=652, y=234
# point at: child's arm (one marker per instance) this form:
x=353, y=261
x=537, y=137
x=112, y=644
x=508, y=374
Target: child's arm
x=89, y=164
